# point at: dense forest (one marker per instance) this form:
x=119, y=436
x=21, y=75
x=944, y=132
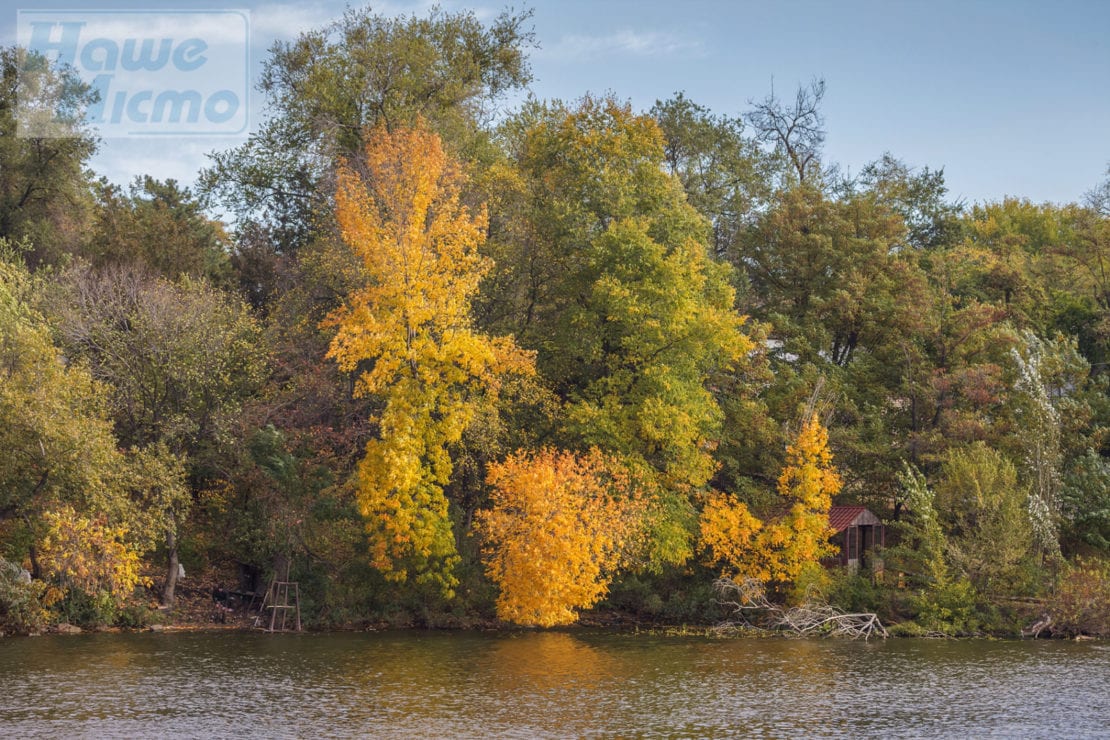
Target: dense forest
x=450, y=364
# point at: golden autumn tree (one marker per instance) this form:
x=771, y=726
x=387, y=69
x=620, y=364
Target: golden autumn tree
x=408, y=333
x=89, y=555
x=778, y=550
x=559, y=526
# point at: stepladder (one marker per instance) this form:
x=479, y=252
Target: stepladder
x=283, y=605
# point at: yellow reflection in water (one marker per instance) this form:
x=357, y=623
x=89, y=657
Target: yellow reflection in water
x=545, y=660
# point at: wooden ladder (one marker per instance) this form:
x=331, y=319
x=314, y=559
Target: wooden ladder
x=277, y=601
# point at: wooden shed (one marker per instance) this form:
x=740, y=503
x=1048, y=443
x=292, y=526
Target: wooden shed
x=857, y=533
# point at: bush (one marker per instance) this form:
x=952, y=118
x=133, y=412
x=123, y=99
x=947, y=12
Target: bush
x=854, y=592
x=136, y=615
x=948, y=609
x=89, y=610
x=21, y=601
x=1081, y=605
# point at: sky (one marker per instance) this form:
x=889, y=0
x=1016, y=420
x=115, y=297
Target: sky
x=1009, y=97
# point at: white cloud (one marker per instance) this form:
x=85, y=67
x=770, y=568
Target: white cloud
x=624, y=42
x=289, y=21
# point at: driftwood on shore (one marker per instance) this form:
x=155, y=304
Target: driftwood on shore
x=751, y=609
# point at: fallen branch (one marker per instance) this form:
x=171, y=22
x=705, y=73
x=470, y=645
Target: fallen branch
x=749, y=601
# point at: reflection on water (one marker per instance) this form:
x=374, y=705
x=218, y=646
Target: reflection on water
x=546, y=684
x=549, y=661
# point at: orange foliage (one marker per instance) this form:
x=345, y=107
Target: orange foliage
x=779, y=550
x=87, y=554
x=419, y=247
x=559, y=526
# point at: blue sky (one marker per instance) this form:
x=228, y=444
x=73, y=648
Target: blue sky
x=1010, y=97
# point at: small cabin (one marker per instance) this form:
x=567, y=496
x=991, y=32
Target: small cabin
x=857, y=533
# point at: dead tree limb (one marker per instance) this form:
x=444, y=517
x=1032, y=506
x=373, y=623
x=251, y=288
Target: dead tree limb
x=752, y=609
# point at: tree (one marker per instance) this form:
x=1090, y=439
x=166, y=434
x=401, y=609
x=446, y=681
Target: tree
x=778, y=550
x=1098, y=198
x=159, y=225
x=90, y=556
x=45, y=194
x=725, y=175
x=917, y=196
x=558, y=527
x=828, y=277
x=984, y=512
x=797, y=131
x=606, y=275
x=63, y=477
x=178, y=358
x=1086, y=503
x=944, y=602
x=331, y=85
x=407, y=335
x=54, y=427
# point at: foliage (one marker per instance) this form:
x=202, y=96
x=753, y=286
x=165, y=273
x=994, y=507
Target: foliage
x=558, y=528
x=330, y=85
x=606, y=275
x=684, y=279
x=45, y=193
x=1086, y=502
x=88, y=555
x=984, y=513
x=782, y=549
x=59, y=449
x=162, y=226
x=411, y=324
x=22, y=609
x=1081, y=603
x=917, y=196
x=723, y=173
x=941, y=602
x=178, y=356
x=921, y=555
x=948, y=609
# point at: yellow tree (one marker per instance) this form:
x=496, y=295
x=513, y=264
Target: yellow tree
x=408, y=334
x=780, y=549
x=559, y=526
x=89, y=555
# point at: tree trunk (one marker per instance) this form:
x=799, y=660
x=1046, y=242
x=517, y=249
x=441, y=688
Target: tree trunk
x=36, y=569
x=168, y=595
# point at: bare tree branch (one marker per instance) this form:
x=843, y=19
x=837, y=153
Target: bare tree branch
x=753, y=610
x=797, y=130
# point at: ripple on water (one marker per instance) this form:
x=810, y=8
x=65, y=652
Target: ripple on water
x=546, y=684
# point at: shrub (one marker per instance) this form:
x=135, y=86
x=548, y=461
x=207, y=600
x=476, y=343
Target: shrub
x=21, y=601
x=948, y=608
x=1082, y=601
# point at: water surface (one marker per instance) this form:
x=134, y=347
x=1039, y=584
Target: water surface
x=546, y=684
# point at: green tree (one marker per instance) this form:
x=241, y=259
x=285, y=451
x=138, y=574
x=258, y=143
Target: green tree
x=1085, y=503
x=984, y=511
x=943, y=602
x=45, y=193
x=918, y=196
x=608, y=278
x=726, y=176
x=179, y=359
x=62, y=464
x=331, y=84
x=160, y=225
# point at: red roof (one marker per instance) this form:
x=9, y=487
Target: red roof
x=842, y=517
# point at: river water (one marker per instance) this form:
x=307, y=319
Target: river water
x=546, y=684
